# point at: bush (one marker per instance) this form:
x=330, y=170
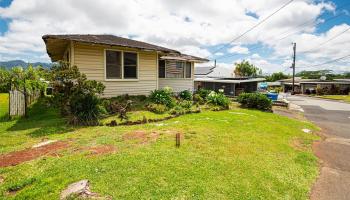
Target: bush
x=203, y=93
x=178, y=110
x=75, y=95
x=157, y=108
x=185, y=95
x=198, y=99
x=218, y=99
x=84, y=109
x=162, y=96
x=186, y=104
x=255, y=100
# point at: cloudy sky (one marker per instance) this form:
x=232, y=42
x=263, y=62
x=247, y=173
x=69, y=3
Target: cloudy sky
x=198, y=27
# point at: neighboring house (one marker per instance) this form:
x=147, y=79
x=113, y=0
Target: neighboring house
x=232, y=86
x=123, y=65
x=308, y=86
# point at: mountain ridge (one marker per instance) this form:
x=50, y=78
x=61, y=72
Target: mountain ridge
x=14, y=63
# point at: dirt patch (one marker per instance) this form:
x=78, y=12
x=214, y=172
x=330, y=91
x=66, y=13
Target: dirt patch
x=102, y=149
x=18, y=157
x=141, y=137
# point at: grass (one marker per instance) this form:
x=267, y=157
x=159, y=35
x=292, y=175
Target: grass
x=345, y=98
x=135, y=116
x=234, y=154
x=4, y=106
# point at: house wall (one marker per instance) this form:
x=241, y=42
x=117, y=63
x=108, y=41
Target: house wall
x=177, y=85
x=90, y=60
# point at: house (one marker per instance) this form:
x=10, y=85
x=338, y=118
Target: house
x=124, y=66
x=232, y=86
x=308, y=86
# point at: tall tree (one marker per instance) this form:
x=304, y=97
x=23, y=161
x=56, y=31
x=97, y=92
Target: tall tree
x=276, y=76
x=246, y=69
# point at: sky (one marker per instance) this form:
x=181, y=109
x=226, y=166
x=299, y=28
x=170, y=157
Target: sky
x=202, y=28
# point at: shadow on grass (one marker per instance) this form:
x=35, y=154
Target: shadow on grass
x=44, y=120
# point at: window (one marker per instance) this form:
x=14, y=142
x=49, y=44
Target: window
x=130, y=65
x=188, y=70
x=121, y=65
x=161, y=71
x=113, y=64
x=174, y=69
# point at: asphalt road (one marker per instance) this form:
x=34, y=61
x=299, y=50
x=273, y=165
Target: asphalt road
x=334, y=119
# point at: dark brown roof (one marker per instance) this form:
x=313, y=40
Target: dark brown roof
x=110, y=40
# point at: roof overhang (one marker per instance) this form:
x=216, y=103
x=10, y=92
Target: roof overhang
x=213, y=80
x=183, y=57
x=55, y=48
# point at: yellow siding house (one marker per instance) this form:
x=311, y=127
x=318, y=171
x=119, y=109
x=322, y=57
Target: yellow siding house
x=123, y=65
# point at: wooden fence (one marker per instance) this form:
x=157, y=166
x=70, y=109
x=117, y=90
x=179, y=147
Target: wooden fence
x=17, y=105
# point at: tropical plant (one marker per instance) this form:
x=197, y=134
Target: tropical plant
x=162, y=96
x=75, y=95
x=218, y=99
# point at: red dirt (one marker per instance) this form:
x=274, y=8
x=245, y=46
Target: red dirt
x=141, y=136
x=18, y=157
x=101, y=150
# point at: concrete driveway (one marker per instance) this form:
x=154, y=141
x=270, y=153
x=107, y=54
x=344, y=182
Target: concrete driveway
x=334, y=119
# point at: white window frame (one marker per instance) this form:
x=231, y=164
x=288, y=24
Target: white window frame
x=184, y=72
x=122, y=65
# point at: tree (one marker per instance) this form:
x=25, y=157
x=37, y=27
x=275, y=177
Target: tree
x=245, y=69
x=76, y=96
x=276, y=76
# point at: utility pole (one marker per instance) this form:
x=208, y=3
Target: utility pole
x=293, y=66
x=214, y=63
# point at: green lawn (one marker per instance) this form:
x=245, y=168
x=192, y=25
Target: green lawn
x=3, y=105
x=234, y=154
x=345, y=98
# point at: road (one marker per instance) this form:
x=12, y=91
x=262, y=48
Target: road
x=334, y=119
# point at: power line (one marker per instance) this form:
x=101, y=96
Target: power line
x=284, y=37
x=331, y=61
x=323, y=43
x=247, y=31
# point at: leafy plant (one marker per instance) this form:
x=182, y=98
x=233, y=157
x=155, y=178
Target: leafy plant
x=218, y=99
x=203, y=93
x=186, y=104
x=157, y=108
x=162, y=96
x=185, y=95
x=255, y=100
x=75, y=95
x=198, y=99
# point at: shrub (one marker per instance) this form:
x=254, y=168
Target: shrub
x=75, y=95
x=162, y=96
x=185, y=95
x=186, y=104
x=218, y=99
x=157, y=108
x=198, y=99
x=255, y=100
x=178, y=110
x=84, y=109
x=203, y=93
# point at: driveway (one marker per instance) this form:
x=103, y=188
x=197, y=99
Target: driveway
x=334, y=119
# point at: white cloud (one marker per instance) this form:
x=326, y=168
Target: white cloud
x=239, y=50
x=189, y=26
